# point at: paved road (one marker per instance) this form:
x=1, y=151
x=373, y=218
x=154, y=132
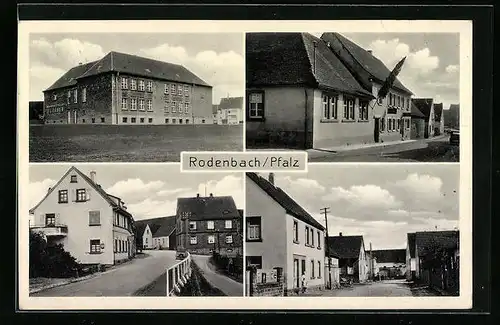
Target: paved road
x=122, y=281
x=221, y=282
x=394, y=288
x=434, y=150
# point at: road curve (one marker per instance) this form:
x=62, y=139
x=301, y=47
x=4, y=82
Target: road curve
x=227, y=285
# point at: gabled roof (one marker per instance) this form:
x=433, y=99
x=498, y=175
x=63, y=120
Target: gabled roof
x=208, y=208
x=366, y=60
x=411, y=244
x=345, y=246
x=95, y=186
x=430, y=240
x=240, y=211
x=160, y=227
x=415, y=112
x=424, y=105
x=231, y=102
x=130, y=64
x=281, y=59
x=289, y=204
x=438, y=111
x=390, y=255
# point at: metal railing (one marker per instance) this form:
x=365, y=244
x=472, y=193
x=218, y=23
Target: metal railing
x=178, y=275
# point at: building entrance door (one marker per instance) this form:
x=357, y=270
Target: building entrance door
x=376, y=129
x=296, y=277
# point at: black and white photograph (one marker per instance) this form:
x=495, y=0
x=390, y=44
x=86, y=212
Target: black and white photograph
x=134, y=230
x=134, y=97
x=355, y=97
x=350, y=231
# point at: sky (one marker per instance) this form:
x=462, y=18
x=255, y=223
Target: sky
x=216, y=58
x=148, y=190
x=432, y=65
x=381, y=202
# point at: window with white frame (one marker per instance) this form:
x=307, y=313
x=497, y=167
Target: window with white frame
x=229, y=239
x=211, y=239
x=228, y=224
x=179, y=90
x=172, y=89
x=167, y=105
x=150, y=105
x=348, y=108
x=166, y=89
x=186, y=90
x=133, y=84
x=330, y=107
x=363, y=110
x=141, y=85
x=295, y=231
x=174, y=106
x=75, y=96
x=307, y=235
x=150, y=86
x=133, y=104
x=210, y=225
x=253, y=228
x=124, y=83
x=193, y=240
x=124, y=104
x=95, y=246
x=84, y=94
x=186, y=108
x=192, y=225
x=141, y=104
x=68, y=98
x=256, y=105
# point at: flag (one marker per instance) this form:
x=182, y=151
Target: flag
x=384, y=90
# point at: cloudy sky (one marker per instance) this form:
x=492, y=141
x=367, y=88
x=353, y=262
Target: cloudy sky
x=148, y=190
x=216, y=58
x=432, y=65
x=381, y=202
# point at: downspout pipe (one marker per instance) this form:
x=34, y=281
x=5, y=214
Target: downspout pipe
x=306, y=115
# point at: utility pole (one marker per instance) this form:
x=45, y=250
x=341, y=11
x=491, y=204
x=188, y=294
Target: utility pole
x=325, y=212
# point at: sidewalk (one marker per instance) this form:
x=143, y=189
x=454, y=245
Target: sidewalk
x=361, y=146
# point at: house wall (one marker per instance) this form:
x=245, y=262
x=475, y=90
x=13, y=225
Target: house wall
x=98, y=104
x=334, y=271
x=75, y=215
x=273, y=247
x=302, y=251
x=147, y=238
x=362, y=265
x=284, y=117
x=198, y=99
x=417, y=128
x=121, y=234
x=429, y=127
x=162, y=242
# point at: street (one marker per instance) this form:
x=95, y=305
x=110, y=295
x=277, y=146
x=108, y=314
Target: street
x=124, y=280
x=389, y=288
x=428, y=150
x=221, y=282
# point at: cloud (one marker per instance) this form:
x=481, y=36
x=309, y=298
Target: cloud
x=38, y=190
x=363, y=196
x=230, y=185
x=422, y=187
x=152, y=208
x=452, y=68
x=134, y=187
x=168, y=192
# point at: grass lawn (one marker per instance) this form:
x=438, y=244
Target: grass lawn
x=129, y=143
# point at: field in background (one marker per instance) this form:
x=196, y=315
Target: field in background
x=129, y=143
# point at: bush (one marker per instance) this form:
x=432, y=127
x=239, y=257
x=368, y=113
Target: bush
x=50, y=261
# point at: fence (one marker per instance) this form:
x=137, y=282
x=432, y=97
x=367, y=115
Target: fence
x=178, y=275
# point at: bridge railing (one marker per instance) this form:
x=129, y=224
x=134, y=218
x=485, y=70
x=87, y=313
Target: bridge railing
x=178, y=275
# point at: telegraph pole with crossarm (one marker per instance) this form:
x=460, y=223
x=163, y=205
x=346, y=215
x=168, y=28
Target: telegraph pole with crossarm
x=325, y=212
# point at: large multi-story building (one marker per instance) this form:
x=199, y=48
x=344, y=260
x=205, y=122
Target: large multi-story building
x=209, y=224
x=92, y=225
x=280, y=234
x=127, y=89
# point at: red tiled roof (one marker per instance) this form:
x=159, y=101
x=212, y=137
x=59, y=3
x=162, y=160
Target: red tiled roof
x=284, y=200
x=129, y=64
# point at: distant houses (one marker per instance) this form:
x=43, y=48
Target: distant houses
x=230, y=111
x=351, y=255
x=389, y=263
x=156, y=233
x=433, y=118
x=452, y=117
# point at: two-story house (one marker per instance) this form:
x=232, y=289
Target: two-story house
x=127, y=89
x=156, y=233
x=281, y=234
x=92, y=225
x=350, y=251
x=426, y=106
x=230, y=110
x=209, y=224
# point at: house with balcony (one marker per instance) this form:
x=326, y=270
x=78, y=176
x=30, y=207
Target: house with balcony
x=351, y=254
x=156, y=233
x=209, y=224
x=282, y=240
x=92, y=225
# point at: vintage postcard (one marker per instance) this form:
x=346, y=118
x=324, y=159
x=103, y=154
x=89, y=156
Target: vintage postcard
x=260, y=164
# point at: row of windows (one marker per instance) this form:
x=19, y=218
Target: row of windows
x=176, y=107
x=121, y=246
x=121, y=221
x=73, y=92
x=141, y=85
x=80, y=195
x=309, y=235
x=313, y=274
x=133, y=104
x=394, y=124
x=330, y=108
x=399, y=101
x=53, y=110
x=193, y=240
x=228, y=224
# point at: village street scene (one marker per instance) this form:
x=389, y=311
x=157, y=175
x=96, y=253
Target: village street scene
x=354, y=97
x=134, y=97
x=344, y=231
x=103, y=230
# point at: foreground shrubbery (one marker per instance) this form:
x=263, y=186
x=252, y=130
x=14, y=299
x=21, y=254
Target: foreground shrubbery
x=50, y=261
x=231, y=266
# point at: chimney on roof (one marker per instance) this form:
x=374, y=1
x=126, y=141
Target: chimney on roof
x=92, y=176
x=211, y=195
x=340, y=234
x=271, y=178
x=79, y=63
x=369, y=51
x=197, y=194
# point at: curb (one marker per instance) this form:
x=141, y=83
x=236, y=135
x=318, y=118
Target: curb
x=63, y=283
